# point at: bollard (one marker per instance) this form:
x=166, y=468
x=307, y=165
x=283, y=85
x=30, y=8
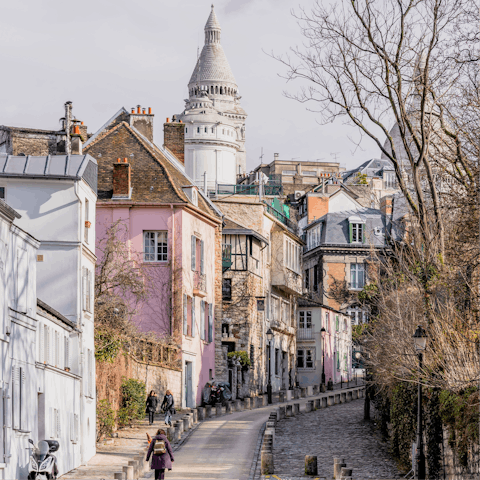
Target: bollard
x=267, y=462
x=309, y=391
x=118, y=475
x=238, y=405
x=190, y=419
x=343, y=397
x=177, y=432
x=323, y=388
x=289, y=395
x=331, y=400
x=311, y=465
x=324, y=402
x=146, y=465
x=201, y=414
x=208, y=411
x=337, y=398
x=141, y=466
x=265, y=400
x=134, y=465
x=354, y=394
x=179, y=425
x=296, y=408
x=248, y=403
x=281, y=412
x=281, y=397
x=218, y=409
x=338, y=463
x=346, y=473
x=317, y=403
x=309, y=406
x=349, y=396
x=303, y=392
x=186, y=423
x=296, y=393
x=361, y=393
x=128, y=471
x=289, y=410
x=316, y=389
x=228, y=408
x=195, y=415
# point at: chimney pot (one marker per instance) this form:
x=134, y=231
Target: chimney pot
x=149, y=110
x=125, y=160
x=180, y=121
x=144, y=111
x=133, y=110
x=118, y=160
x=168, y=120
x=138, y=108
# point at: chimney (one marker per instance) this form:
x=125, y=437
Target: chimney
x=386, y=205
x=78, y=135
x=121, y=179
x=275, y=156
x=142, y=121
x=174, y=138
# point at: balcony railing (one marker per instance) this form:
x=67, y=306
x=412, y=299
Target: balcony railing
x=281, y=217
x=225, y=189
x=305, y=334
x=200, y=284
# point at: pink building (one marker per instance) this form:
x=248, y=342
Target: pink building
x=173, y=229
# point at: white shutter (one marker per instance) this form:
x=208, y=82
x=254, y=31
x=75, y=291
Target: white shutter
x=22, y=280
x=57, y=424
x=202, y=263
x=16, y=397
x=41, y=344
x=84, y=288
x=89, y=290
x=48, y=357
x=45, y=344
x=7, y=415
x=23, y=400
x=185, y=315
x=53, y=420
x=56, y=349
x=193, y=317
x=76, y=428
x=90, y=373
x=194, y=252
x=67, y=351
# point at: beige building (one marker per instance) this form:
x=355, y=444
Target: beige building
x=262, y=278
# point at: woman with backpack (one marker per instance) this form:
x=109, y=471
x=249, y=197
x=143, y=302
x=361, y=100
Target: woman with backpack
x=152, y=402
x=168, y=406
x=162, y=454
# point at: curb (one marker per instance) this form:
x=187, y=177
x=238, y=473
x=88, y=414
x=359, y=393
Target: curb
x=256, y=455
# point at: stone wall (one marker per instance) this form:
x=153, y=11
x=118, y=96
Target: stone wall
x=109, y=379
x=453, y=469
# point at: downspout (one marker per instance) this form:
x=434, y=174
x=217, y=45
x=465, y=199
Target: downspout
x=173, y=266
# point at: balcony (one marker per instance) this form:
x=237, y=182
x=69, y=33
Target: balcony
x=305, y=334
x=199, y=284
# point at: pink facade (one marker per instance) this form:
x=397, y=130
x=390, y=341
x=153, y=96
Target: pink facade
x=165, y=312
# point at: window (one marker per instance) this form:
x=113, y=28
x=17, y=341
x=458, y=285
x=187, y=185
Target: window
x=390, y=180
x=202, y=320
x=285, y=309
x=308, y=173
x=357, y=315
x=2, y=193
x=192, y=326
x=206, y=130
x=315, y=278
x=213, y=130
x=189, y=315
x=289, y=172
x=87, y=223
x=155, y=247
x=307, y=279
x=327, y=322
x=277, y=361
x=22, y=280
x=356, y=229
x=337, y=324
x=227, y=289
x=198, y=129
x=313, y=237
x=210, y=323
x=305, y=319
x=197, y=254
x=291, y=255
x=87, y=290
x=19, y=398
x=357, y=275
x=185, y=314
x=252, y=356
x=66, y=352
x=306, y=358
x=186, y=129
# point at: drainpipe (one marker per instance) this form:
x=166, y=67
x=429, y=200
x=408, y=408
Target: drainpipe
x=173, y=266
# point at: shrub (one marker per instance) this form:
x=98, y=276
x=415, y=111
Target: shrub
x=133, y=401
x=242, y=356
x=105, y=419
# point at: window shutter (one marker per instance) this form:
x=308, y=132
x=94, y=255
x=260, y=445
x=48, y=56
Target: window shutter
x=57, y=424
x=16, y=397
x=84, y=288
x=53, y=422
x=194, y=247
x=210, y=323
x=193, y=316
x=22, y=280
x=48, y=345
x=202, y=320
x=41, y=344
x=90, y=373
x=202, y=263
x=23, y=400
x=76, y=428
x=363, y=233
x=57, y=349
x=89, y=290
x=72, y=427
x=67, y=352
x=350, y=232
x=185, y=315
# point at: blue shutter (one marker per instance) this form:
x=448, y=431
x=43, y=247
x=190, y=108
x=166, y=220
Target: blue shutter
x=185, y=315
x=193, y=316
x=202, y=320
x=202, y=263
x=194, y=251
x=210, y=324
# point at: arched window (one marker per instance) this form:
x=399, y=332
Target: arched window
x=221, y=90
x=198, y=129
x=186, y=130
x=223, y=131
x=213, y=130
x=216, y=89
x=206, y=130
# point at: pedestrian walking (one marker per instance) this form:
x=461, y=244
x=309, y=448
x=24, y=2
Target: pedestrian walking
x=162, y=454
x=168, y=406
x=152, y=402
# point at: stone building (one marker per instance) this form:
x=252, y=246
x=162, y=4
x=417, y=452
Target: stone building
x=213, y=118
x=335, y=258
x=262, y=277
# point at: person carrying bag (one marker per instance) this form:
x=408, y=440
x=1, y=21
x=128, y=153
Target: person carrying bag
x=162, y=454
x=152, y=402
x=168, y=406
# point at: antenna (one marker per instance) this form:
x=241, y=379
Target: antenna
x=335, y=155
x=261, y=156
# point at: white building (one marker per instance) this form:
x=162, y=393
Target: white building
x=214, y=120
x=56, y=197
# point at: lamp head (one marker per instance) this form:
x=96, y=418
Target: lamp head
x=323, y=331
x=358, y=355
x=269, y=334
x=420, y=339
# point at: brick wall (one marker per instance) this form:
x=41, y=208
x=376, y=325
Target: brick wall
x=317, y=207
x=174, y=139
x=121, y=179
x=333, y=271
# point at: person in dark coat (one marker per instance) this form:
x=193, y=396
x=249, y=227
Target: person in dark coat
x=152, y=402
x=160, y=462
x=168, y=406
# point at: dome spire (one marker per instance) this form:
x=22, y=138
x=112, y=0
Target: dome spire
x=212, y=29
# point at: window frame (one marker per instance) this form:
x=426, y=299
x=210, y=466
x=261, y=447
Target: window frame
x=155, y=247
x=309, y=356
x=355, y=270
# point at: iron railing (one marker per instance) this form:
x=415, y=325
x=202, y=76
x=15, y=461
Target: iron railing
x=240, y=189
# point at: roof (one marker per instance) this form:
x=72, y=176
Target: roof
x=373, y=168
x=8, y=211
x=232, y=228
x=335, y=227
x=303, y=302
x=68, y=167
x=49, y=312
x=212, y=64
x=31, y=130
x=157, y=175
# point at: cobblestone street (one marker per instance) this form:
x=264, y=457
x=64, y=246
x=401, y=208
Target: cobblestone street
x=335, y=432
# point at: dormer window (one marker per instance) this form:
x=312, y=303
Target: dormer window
x=192, y=193
x=356, y=227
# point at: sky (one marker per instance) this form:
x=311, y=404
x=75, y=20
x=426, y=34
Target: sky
x=103, y=55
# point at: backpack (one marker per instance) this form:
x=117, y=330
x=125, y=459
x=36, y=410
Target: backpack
x=159, y=447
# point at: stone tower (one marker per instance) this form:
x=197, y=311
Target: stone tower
x=214, y=120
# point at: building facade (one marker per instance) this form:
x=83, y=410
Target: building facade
x=173, y=230
x=262, y=278
x=213, y=118
x=56, y=196
x=318, y=352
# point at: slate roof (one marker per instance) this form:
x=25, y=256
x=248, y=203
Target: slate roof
x=73, y=167
x=156, y=175
x=373, y=168
x=212, y=22
x=50, y=313
x=335, y=227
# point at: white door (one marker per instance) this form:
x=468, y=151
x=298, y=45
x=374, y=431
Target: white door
x=188, y=385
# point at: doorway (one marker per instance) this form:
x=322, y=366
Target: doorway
x=188, y=385
x=284, y=371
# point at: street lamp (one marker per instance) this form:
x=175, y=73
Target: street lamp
x=420, y=342
x=323, y=332
x=269, y=384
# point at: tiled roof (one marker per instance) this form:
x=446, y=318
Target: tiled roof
x=212, y=22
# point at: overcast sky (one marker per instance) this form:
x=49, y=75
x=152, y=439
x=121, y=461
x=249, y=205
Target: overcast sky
x=103, y=55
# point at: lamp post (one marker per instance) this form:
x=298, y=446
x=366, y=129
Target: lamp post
x=269, y=384
x=420, y=342
x=323, y=332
